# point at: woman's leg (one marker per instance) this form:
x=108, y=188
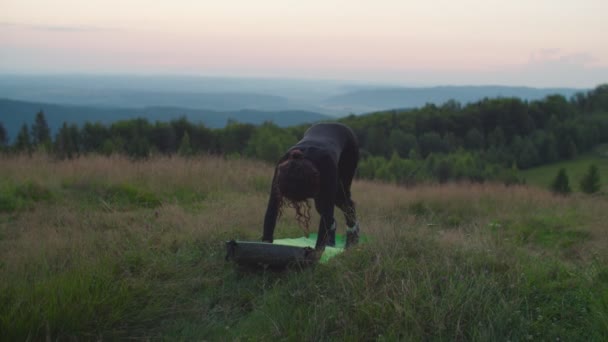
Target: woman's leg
x=346, y=172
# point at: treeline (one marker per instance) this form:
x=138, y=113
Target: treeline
x=139, y=138
x=488, y=139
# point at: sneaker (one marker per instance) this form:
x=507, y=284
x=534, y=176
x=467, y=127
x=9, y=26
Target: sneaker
x=352, y=236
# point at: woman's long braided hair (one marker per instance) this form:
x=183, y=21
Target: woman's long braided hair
x=297, y=180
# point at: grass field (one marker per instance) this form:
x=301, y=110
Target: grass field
x=576, y=169
x=107, y=248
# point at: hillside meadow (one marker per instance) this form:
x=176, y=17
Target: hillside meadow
x=576, y=169
x=109, y=248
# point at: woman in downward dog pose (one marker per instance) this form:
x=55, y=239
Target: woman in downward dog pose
x=321, y=166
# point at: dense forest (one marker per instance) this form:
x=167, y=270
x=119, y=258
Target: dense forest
x=485, y=140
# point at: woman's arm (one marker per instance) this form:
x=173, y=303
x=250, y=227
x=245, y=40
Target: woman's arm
x=272, y=211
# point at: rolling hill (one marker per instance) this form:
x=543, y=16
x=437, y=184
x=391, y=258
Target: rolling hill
x=370, y=99
x=576, y=169
x=13, y=114
x=331, y=97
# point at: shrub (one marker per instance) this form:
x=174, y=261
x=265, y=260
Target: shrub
x=590, y=183
x=561, y=184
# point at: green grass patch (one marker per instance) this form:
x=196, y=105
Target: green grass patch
x=453, y=295
x=444, y=213
x=261, y=183
x=128, y=195
x=22, y=196
x=84, y=301
x=123, y=196
x=558, y=303
x=548, y=231
x=117, y=297
x=186, y=197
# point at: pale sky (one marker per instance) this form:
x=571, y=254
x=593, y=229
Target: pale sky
x=429, y=42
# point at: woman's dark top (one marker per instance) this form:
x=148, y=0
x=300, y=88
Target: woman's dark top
x=328, y=146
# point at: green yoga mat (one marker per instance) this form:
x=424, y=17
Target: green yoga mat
x=311, y=240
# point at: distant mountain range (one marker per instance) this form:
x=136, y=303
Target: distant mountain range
x=13, y=114
x=139, y=99
x=372, y=99
x=212, y=101
x=334, y=98
x=217, y=94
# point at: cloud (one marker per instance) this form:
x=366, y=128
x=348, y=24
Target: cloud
x=554, y=66
x=545, y=68
x=56, y=28
x=548, y=53
x=555, y=56
x=578, y=58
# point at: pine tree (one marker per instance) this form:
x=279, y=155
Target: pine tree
x=74, y=133
x=591, y=181
x=561, y=184
x=64, y=145
x=185, y=149
x=41, y=134
x=3, y=137
x=23, y=142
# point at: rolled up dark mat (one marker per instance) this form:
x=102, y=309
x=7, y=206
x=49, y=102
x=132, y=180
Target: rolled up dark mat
x=248, y=253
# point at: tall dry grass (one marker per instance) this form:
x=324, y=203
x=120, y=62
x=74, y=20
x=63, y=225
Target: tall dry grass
x=459, y=210
x=156, y=264
x=206, y=172
x=233, y=192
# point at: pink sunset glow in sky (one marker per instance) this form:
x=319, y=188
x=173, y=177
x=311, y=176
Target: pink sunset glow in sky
x=535, y=43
